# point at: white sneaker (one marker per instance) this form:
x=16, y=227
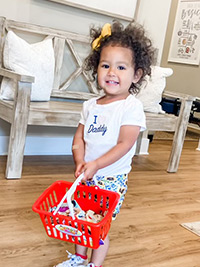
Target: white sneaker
x=91, y=265
x=73, y=262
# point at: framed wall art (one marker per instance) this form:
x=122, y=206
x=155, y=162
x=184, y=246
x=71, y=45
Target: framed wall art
x=185, y=42
x=119, y=9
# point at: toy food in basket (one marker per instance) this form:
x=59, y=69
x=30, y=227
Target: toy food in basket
x=80, y=214
x=71, y=228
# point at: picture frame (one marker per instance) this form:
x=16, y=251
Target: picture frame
x=185, y=42
x=116, y=9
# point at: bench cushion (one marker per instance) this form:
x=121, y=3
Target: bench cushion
x=30, y=59
x=152, y=89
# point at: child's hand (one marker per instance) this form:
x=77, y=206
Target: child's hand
x=79, y=168
x=90, y=168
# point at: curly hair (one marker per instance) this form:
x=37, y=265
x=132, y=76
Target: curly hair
x=133, y=37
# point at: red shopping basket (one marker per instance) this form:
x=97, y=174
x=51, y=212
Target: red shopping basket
x=75, y=230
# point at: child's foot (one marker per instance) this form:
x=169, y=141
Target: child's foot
x=73, y=262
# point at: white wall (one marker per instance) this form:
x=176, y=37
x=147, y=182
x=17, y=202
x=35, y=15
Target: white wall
x=153, y=14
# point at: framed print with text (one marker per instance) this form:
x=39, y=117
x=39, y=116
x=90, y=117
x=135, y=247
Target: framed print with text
x=185, y=42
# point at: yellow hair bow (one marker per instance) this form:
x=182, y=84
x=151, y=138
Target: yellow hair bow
x=106, y=31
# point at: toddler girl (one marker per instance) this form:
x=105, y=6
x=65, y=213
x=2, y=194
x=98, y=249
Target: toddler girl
x=104, y=142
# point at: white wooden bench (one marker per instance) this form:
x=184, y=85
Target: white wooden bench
x=22, y=112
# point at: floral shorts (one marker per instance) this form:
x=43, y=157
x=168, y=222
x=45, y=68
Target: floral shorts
x=116, y=183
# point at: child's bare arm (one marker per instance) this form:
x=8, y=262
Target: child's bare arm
x=127, y=137
x=78, y=149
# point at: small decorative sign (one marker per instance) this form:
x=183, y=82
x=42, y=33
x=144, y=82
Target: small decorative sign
x=185, y=43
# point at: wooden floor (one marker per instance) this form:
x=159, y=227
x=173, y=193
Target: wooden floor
x=147, y=231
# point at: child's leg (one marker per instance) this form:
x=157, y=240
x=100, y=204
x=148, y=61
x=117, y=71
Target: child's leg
x=81, y=250
x=98, y=255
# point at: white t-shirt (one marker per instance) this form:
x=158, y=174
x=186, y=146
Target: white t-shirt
x=102, y=126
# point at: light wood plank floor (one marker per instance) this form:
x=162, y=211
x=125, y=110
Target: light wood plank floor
x=147, y=231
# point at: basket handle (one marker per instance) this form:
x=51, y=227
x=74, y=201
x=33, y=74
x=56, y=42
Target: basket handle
x=69, y=194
